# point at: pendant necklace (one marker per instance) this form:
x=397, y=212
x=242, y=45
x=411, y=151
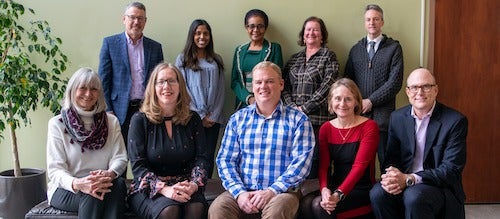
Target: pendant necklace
x=344, y=137
x=347, y=135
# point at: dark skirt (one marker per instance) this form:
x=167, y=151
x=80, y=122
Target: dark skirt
x=146, y=207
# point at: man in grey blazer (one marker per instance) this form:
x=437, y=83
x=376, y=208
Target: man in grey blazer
x=426, y=153
x=125, y=64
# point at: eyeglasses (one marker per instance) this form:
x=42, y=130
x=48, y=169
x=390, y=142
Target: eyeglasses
x=425, y=88
x=253, y=26
x=170, y=82
x=138, y=18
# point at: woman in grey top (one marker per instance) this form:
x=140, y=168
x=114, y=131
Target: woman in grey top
x=203, y=71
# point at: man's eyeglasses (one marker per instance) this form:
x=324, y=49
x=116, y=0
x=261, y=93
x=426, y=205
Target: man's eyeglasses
x=253, y=26
x=138, y=18
x=170, y=82
x=425, y=88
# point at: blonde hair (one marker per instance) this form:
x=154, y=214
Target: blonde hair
x=268, y=64
x=151, y=107
x=351, y=86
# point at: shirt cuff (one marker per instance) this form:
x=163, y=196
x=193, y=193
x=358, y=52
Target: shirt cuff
x=418, y=179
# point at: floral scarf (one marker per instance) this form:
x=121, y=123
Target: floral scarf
x=93, y=139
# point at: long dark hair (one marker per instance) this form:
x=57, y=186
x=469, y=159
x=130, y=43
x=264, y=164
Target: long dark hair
x=191, y=50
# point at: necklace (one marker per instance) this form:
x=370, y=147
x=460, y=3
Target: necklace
x=344, y=137
x=347, y=135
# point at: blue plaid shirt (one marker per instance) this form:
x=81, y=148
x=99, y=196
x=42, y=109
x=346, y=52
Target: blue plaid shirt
x=265, y=153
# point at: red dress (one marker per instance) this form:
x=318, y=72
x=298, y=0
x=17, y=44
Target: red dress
x=347, y=162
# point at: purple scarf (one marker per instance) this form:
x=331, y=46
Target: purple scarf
x=93, y=139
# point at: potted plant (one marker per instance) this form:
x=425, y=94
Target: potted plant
x=31, y=64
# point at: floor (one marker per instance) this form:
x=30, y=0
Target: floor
x=482, y=211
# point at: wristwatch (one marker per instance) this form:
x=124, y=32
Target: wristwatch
x=340, y=194
x=410, y=181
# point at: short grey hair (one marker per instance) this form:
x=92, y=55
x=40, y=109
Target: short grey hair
x=84, y=77
x=376, y=8
x=135, y=5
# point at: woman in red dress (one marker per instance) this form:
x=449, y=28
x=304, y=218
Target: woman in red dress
x=348, y=145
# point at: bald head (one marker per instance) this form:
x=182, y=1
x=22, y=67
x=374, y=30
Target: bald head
x=420, y=74
x=421, y=90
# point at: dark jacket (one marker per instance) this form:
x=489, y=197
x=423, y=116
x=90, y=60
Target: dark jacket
x=380, y=80
x=444, y=153
x=114, y=70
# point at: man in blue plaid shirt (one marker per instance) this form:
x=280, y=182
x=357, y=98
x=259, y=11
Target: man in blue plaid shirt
x=265, y=154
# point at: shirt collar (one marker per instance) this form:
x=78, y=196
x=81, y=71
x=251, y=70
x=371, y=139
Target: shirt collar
x=279, y=108
x=377, y=39
x=428, y=114
x=131, y=42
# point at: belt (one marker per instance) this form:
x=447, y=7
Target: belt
x=135, y=102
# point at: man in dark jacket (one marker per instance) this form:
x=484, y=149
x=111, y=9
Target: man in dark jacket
x=426, y=153
x=375, y=63
x=125, y=64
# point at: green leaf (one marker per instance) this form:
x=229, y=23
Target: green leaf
x=24, y=86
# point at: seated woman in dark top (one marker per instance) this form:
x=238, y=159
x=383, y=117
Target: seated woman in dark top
x=347, y=147
x=167, y=151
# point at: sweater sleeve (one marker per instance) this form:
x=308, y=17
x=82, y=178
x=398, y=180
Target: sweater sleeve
x=57, y=165
x=118, y=161
x=236, y=80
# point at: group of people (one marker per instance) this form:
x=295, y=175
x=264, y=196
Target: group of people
x=292, y=122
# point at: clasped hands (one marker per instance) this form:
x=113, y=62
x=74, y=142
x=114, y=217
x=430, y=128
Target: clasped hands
x=329, y=200
x=97, y=184
x=207, y=122
x=254, y=201
x=180, y=191
x=393, y=181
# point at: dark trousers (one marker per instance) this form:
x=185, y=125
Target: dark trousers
x=382, y=145
x=418, y=201
x=133, y=107
x=313, y=174
x=88, y=207
x=212, y=136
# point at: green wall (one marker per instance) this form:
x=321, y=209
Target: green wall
x=83, y=24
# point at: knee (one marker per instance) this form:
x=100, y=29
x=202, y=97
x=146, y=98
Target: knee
x=415, y=199
x=172, y=211
x=224, y=206
x=316, y=204
x=284, y=205
x=377, y=194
